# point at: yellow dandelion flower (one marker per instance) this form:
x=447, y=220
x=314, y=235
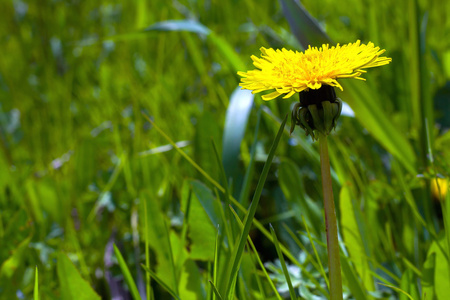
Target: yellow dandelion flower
x=288, y=72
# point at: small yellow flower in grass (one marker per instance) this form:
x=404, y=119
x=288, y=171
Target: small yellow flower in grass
x=313, y=74
x=439, y=188
x=288, y=72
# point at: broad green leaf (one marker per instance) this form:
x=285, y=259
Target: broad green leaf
x=190, y=284
x=428, y=272
x=441, y=274
x=203, y=218
x=352, y=238
x=208, y=201
x=72, y=285
x=241, y=103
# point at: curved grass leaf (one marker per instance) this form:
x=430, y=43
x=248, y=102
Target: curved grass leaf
x=306, y=29
x=226, y=50
x=241, y=103
x=179, y=25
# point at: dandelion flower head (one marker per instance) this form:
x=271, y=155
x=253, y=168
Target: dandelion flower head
x=288, y=72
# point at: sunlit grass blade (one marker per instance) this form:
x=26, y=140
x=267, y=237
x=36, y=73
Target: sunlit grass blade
x=160, y=282
x=237, y=253
x=261, y=265
x=36, y=285
x=283, y=264
x=127, y=275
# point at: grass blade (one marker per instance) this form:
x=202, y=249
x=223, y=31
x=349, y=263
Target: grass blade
x=306, y=28
x=127, y=275
x=322, y=270
x=283, y=264
x=160, y=282
x=257, y=256
x=216, y=292
x=237, y=253
x=147, y=254
x=398, y=290
x=36, y=285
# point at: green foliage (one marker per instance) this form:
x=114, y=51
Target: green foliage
x=73, y=286
x=82, y=168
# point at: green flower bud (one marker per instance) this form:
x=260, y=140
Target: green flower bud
x=318, y=110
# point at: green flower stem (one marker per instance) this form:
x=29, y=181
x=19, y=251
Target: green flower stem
x=334, y=264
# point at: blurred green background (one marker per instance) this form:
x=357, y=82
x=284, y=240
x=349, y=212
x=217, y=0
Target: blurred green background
x=79, y=159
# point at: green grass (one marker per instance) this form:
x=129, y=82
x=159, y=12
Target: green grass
x=87, y=88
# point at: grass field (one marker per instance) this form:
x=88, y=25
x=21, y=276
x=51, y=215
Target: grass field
x=129, y=156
